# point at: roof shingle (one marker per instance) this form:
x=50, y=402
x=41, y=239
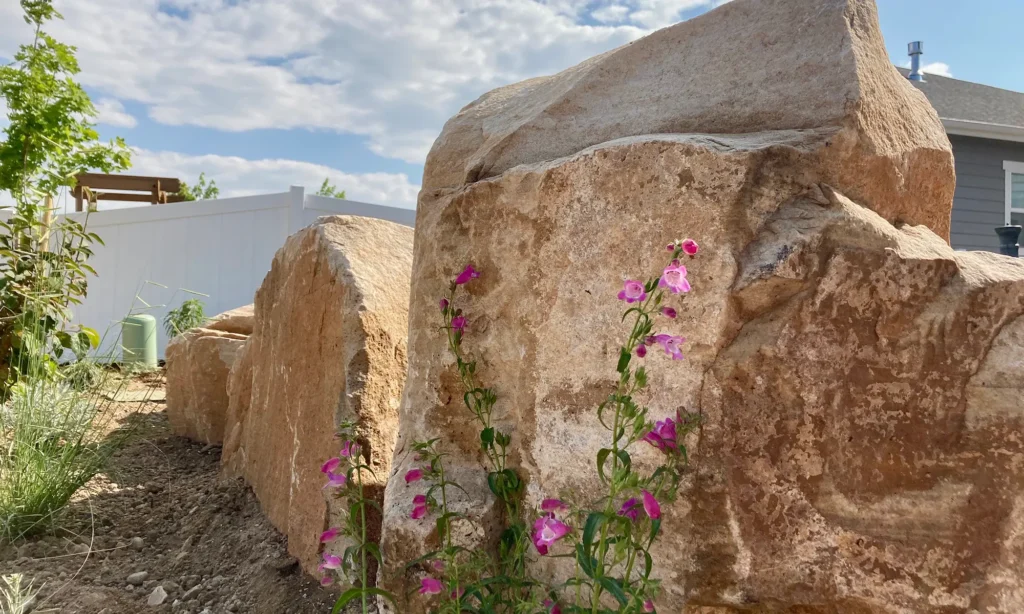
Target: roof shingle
x=963, y=100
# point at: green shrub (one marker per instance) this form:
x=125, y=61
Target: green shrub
x=82, y=375
x=190, y=314
x=53, y=444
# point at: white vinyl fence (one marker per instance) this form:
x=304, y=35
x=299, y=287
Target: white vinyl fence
x=221, y=248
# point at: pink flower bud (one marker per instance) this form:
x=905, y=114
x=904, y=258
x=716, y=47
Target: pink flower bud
x=690, y=247
x=552, y=505
x=413, y=475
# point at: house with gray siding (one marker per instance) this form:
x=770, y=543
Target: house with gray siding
x=986, y=127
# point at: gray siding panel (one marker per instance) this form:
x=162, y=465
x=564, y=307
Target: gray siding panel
x=980, y=198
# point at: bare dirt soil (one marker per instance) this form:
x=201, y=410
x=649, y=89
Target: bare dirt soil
x=161, y=519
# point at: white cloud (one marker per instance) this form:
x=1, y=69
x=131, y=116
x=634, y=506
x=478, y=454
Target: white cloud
x=937, y=68
x=240, y=177
x=393, y=71
x=613, y=13
x=112, y=113
x=660, y=13
x=932, y=68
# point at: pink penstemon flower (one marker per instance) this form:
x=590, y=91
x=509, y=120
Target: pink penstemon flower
x=329, y=535
x=663, y=435
x=630, y=509
x=651, y=505
x=690, y=247
x=546, y=531
x=419, y=507
x=467, y=274
x=330, y=465
x=632, y=291
x=552, y=607
x=330, y=561
x=413, y=475
x=430, y=586
x=335, y=480
x=648, y=606
x=674, y=278
x=669, y=343
x=348, y=449
x=459, y=323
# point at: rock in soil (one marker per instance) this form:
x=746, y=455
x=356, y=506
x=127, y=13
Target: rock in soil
x=162, y=498
x=157, y=597
x=138, y=578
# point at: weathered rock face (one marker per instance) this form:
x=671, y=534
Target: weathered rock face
x=198, y=363
x=860, y=426
x=239, y=321
x=814, y=66
x=858, y=380
x=328, y=345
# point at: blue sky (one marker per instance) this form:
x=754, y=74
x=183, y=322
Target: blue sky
x=262, y=94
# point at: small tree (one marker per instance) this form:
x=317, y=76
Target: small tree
x=201, y=190
x=51, y=136
x=330, y=191
x=49, y=140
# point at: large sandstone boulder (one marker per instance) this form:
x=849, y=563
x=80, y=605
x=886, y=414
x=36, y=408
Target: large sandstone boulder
x=857, y=377
x=328, y=345
x=198, y=363
x=814, y=72
x=240, y=321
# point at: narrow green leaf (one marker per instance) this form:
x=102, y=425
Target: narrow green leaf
x=594, y=522
x=624, y=357
x=602, y=457
x=612, y=586
x=357, y=593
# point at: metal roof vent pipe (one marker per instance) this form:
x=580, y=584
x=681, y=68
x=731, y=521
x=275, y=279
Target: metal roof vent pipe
x=915, y=49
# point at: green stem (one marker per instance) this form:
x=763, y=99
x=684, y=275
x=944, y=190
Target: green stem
x=362, y=542
x=448, y=537
x=623, y=389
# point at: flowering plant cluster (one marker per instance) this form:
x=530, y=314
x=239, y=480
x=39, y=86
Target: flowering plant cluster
x=611, y=549
x=472, y=581
x=609, y=539
x=345, y=476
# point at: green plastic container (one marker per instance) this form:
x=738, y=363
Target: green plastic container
x=138, y=340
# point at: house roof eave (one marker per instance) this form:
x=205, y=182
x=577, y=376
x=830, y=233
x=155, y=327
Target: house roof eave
x=983, y=130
